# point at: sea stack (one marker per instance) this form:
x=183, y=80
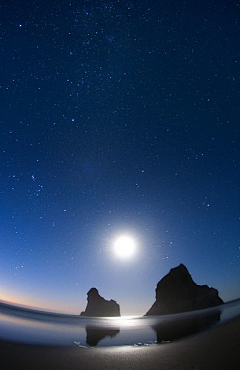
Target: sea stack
x=98, y=306
x=177, y=292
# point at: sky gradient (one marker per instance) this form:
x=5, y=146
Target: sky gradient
x=118, y=117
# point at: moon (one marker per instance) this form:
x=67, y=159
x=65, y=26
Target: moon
x=125, y=246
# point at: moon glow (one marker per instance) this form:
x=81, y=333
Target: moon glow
x=124, y=246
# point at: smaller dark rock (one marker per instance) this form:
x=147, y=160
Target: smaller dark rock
x=98, y=306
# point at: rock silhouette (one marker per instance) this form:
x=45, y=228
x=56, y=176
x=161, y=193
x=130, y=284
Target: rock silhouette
x=98, y=306
x=177, y=292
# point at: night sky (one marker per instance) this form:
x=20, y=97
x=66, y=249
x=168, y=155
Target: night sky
x=118, y=117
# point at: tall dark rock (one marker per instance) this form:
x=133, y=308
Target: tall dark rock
x=177, y=292
x=98, y=306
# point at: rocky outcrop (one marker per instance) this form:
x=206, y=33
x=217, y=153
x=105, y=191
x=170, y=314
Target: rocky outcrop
x=98, y=306
x=177, y=292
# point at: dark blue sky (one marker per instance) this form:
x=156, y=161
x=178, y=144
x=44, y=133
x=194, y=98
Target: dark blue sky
x=118, y=117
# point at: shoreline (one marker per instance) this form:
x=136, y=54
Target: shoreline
x=217, y=348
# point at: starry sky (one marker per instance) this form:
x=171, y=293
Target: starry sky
x=118, y=117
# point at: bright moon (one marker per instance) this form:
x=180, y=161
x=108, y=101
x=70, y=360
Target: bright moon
x=125, y=246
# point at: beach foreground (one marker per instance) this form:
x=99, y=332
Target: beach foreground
x=215, y=349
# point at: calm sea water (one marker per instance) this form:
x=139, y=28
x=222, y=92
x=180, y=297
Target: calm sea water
x=40, y=328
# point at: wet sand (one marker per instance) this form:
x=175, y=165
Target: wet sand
x=218, y=348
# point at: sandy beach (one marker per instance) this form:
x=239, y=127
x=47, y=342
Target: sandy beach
x=215, y=349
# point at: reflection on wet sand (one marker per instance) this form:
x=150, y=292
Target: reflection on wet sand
x=31, y=327
x=166, y=331
x=94, y=335
x=178, y=329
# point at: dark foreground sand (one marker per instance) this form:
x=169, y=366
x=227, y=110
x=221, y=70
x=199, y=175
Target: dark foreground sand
x=216, y=349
